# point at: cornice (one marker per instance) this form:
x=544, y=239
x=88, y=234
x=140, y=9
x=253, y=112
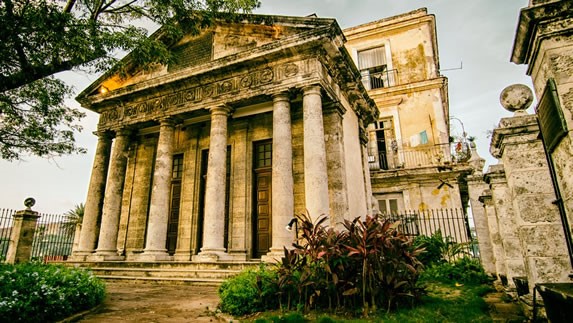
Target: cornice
x=537, y=23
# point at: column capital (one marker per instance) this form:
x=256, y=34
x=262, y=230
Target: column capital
x=103, y=134
x=220, y=110
x=311, y=89
x=122, y=132
x=167, y=121
x=281, y=97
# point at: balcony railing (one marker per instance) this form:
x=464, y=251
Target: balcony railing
x=422, y=156
x=379, y=79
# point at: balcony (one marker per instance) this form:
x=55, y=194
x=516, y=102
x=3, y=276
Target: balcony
x=440, y=155
x=377, y=80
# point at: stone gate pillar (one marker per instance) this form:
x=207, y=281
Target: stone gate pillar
x=495, y=240
x=22, y=236
x=507, y=223
x=476, y=187
x=544, y=43
x=516, y=141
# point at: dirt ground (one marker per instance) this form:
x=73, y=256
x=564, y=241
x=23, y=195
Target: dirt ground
x=158, y=303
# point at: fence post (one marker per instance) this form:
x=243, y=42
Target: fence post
x=20, y=246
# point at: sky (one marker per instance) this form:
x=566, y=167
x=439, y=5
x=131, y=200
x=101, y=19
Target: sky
x=479, y=33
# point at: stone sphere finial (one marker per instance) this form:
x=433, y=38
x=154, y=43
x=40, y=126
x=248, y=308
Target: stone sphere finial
x=29, y=202
x=516, y=98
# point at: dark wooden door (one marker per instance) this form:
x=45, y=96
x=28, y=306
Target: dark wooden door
x=262, y=223
x=175, y=205
x=173, y=223
x=263, y=212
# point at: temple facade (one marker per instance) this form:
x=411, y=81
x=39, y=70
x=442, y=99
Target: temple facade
x=209, y=158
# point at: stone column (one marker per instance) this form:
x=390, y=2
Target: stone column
x=494, y=236
x=507, y=222
x=476, y=187
x=315, y=171
x=22, y=236
x=159, y=207
x=539, y=228
x=94, y=199
x=214, y=222
x=336, y=165
x=107, y=243
x=282, y=178
x=543, y=43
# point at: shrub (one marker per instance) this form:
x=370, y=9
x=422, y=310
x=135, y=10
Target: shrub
x=250, y=291
x=439, y=249
x=35, y=292
x=464, y=270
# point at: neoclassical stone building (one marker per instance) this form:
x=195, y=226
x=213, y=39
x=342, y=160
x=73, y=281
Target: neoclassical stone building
x=208, y=159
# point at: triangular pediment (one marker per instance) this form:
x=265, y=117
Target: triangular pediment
x=223, y=42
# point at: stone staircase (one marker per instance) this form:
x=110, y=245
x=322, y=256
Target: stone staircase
x=192, y=273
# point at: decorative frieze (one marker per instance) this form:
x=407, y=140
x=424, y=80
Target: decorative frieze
x=172, y=102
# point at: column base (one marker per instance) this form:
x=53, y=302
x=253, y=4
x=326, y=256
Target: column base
x=182, y=256
x=105, y=256
x=273, y=256
x=153, y=256
x=80, y=255
x=212, y=255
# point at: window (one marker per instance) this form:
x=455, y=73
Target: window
x=263, y=155
x=384, y=142
x=374, y=68
x=391, y=203
x=177, y=166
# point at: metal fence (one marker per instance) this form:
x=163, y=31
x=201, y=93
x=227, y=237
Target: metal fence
x=53, y=238
x=6, y=223
x=452, y=224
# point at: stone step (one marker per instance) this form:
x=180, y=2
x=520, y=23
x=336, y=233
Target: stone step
x=162, y=280
x=167, y=265
x=165, y=272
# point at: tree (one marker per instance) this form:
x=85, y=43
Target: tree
x=73, y=217
x=41, y=38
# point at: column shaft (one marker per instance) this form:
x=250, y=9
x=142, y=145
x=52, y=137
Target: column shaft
x=107, y=244
x=160, y=194
x=94, y=199
x=214, y=222
x=315, y=173
x=282, y=177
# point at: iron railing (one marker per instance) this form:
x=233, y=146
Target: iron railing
x=379, y=80
x=54, y=237
x=421, y=156
x=452, y=224
x=6, y=224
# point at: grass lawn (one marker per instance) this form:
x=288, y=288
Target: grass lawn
x=443, y=303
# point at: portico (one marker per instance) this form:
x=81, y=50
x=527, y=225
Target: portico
x=208, y=162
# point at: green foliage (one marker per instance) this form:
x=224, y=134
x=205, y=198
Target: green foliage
x=42, y=38
x=35, y=292
x=439, y=249
x=250, y=291
x=443, y=303
x=367, y=265
x=464, y=270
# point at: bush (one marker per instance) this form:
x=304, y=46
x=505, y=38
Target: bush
x=367, y=265
x=35, y=292
x=464, y=270
x=250, y=291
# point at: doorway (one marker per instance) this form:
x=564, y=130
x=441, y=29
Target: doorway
x=262, y=191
